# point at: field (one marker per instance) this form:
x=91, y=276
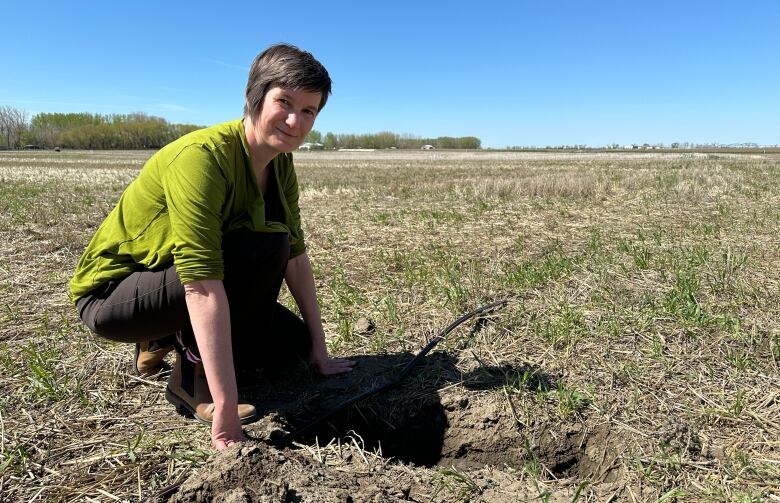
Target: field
x=637, y=357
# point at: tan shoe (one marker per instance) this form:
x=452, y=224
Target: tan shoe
x=149, y=358
x=188, y=390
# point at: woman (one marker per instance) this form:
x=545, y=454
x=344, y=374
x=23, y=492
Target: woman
x=193, y=255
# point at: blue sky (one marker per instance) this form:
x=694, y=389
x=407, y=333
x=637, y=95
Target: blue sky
x=511, y=73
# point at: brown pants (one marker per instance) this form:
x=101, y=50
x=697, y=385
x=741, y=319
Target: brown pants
x=150, y=305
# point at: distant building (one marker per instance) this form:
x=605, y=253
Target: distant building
x=312, y=146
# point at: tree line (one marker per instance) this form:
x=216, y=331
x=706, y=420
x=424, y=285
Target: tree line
x=387, y=139
x=141, y=131
x=88, y=131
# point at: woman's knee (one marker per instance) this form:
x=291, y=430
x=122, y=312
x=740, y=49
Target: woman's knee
x=143, y=306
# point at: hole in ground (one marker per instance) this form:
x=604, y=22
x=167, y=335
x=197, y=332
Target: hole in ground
x=579, y=452
x=413, y=436
x=467, y=436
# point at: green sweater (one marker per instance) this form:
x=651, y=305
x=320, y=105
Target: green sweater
x=188, y=194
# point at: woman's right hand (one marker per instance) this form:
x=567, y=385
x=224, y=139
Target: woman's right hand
x=226, y=428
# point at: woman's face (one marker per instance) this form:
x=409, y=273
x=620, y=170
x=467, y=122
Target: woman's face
x=286, y=118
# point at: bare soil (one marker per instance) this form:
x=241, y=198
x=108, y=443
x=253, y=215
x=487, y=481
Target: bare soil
x=407, y=443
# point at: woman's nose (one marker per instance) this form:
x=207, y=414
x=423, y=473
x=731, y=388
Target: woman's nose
x=292, y=120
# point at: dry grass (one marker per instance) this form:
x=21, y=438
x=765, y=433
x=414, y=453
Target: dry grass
x=646, y=283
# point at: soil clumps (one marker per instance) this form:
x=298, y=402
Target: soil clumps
x=440, y=435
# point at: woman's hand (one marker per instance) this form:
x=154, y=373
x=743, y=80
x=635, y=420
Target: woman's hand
x=327, y=366
x=226, y=428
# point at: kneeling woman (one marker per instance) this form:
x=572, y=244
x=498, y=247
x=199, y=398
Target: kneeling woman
x=194, y=254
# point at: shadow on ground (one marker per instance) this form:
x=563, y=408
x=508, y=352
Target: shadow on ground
x=407, y=421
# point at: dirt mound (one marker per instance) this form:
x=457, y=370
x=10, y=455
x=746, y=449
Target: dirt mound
x=440, y=435
x=253, y=473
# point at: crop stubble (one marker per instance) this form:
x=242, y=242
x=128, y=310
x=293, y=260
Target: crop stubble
x=637, y=358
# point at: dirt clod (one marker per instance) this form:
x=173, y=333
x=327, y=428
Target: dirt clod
x=364, y=326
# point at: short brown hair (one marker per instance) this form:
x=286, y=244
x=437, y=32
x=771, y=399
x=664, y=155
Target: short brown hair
x=286, y=66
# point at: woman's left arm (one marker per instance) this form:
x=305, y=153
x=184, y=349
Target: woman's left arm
x=300, y=281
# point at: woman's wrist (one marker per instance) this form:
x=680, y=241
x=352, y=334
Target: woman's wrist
x=226, y=406
x=318, y=345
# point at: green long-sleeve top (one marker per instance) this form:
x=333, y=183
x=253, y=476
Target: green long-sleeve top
x=188, y=195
